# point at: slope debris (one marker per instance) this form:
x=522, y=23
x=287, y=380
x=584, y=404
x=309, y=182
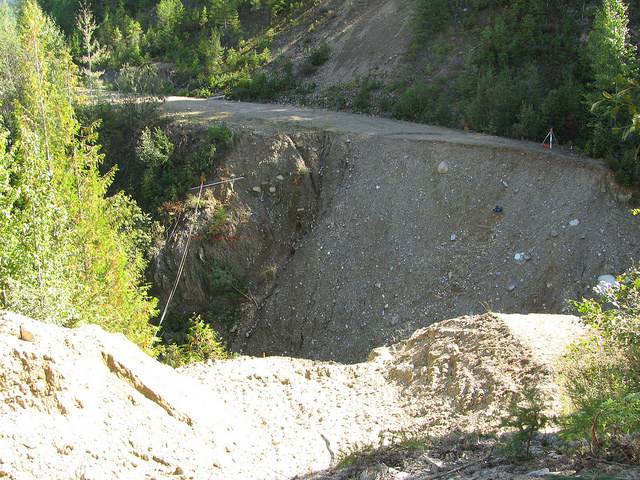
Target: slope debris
x=380, y=227
x=84, y=403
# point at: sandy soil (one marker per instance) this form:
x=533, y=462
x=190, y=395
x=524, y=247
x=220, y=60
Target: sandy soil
x=89, y=405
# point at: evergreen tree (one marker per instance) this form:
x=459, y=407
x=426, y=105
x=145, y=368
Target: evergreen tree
x=609, y=49
x=610, y=54
x=8, y=196
x=10, y=54
x=71, y=255
x=92, y=51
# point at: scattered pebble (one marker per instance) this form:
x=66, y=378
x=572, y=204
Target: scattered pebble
x=25, y=334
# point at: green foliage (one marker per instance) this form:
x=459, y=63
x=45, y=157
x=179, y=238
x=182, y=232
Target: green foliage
x=602, y=375
x=70, y=253
x=163, y=36
x=320, y=55
x=609, y=50
x=219, y=221
x=428, y=17
x=532, y=64
x=425, y=103
x=279, y=8
x=623, y=108
x=363, y=98
x=11, y=52
x=155, y=168
x=201, y=344
x=257, y=88
x=520, y=79
x=265, y=87
x=123, y=38
x=153, y=150
x=612, y=68
x=525, y=414
x=8, y=221
x=119, y=126
x=139, y=80
x=348, y=459
x=220, y=137
x=220, y=279
x=92, y=53
x=154, y=147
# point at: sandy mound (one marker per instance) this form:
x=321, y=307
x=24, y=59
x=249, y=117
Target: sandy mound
x=84, y=403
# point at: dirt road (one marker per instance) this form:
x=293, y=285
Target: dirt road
x=288, y=117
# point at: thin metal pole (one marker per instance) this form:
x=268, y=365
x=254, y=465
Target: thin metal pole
x=217, y=183
x=182, y=260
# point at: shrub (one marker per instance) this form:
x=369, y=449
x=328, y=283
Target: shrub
x=220, y=279
x=428, y=17
x=320, y=55
x=166, y=173
x=221, y=137
x=144, y=79
x=257, y=88
x=201, y=344
x=425, y=103
x=525, y=414
x=154, y=147
x=602, y=373
x=363, y=97
x=219, y=221
x=307, y=69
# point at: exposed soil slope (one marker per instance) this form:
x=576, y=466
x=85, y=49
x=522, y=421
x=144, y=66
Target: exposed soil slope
x=86, y=404
x=391, y=227
x=366, y=37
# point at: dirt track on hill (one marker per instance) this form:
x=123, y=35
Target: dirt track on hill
x=288, y=117
x=399, y=228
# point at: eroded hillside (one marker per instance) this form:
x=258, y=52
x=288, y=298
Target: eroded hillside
x=374, y=228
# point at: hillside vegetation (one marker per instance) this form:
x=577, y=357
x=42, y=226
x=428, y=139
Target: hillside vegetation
x=511, y=68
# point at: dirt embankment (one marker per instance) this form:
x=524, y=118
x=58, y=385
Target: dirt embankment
x=376, y=228
x=83, y=403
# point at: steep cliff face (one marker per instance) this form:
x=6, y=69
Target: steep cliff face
x=267, y=212
x=359, y=231
x=401, y=245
